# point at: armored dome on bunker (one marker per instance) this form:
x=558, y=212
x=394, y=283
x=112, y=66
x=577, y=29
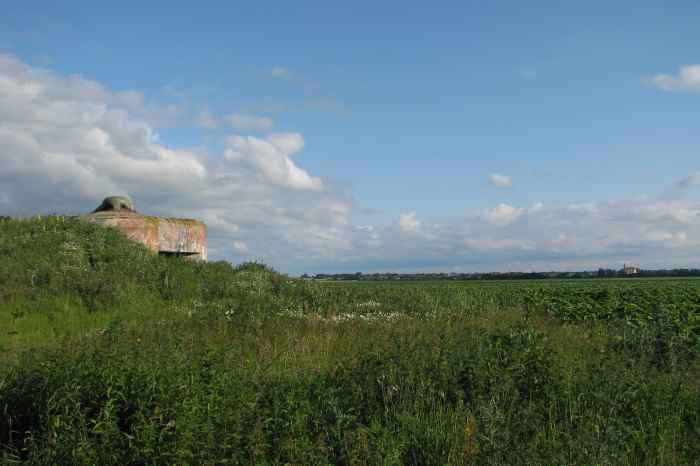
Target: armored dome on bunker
x=113, y=203
x=166, y=236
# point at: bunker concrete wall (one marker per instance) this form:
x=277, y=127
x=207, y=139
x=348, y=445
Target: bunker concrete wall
x=161, y=235
x=182, y=236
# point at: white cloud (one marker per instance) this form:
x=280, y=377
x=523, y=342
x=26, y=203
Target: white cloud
x=536, y=207
x=667, y=238
x=249, y=122
x=290, y=143
x=67, y=142
x=408, y=222
x=583, y=207
x=279, y=71
x=503, y=214
x=490, y=243
x=662, y=212
x=688, y=79
x=501, y=181
x=269, y=159
x=574, y=236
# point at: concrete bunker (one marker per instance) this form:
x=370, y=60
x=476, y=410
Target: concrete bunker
x=181, y=237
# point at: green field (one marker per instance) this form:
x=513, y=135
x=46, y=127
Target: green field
x=110, y=355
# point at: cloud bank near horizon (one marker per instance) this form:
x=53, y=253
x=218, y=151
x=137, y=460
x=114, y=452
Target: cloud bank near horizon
x=66, y=142
x=688, y=79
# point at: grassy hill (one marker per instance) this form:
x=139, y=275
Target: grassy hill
x=111, y=355
x=61, y=277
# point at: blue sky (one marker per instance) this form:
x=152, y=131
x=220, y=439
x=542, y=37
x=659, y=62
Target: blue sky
x=438, y=115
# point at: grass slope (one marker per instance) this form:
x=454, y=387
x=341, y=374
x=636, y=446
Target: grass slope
x=111, y=355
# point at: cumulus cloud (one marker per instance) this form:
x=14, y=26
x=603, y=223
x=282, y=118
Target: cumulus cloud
x=269, y=159
x=501, y=181
x=662, y=212
x=583, y=207
x=249, y=122
x=569, y=236
x=688, y=79
x=503, y=214
x=408, y=222
x=67, y=142
x=501, y=244
x=79, y=137
x=536, y=207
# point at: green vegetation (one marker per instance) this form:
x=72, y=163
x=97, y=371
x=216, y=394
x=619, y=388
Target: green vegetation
x=111, y=355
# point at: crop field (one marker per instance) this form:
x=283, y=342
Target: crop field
x=110, y=355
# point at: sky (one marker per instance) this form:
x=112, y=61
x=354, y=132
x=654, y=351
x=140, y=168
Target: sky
x=374, y=136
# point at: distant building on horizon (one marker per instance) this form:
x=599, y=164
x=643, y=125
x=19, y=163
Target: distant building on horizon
x=630, y=270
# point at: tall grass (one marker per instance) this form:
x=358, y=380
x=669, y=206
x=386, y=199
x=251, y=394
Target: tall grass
x=111, y=355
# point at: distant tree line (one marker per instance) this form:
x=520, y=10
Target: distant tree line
x=600, y=273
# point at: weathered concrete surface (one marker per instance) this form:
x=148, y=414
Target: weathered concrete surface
x=136, y=227
x=180, y=235
x=168, y=236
